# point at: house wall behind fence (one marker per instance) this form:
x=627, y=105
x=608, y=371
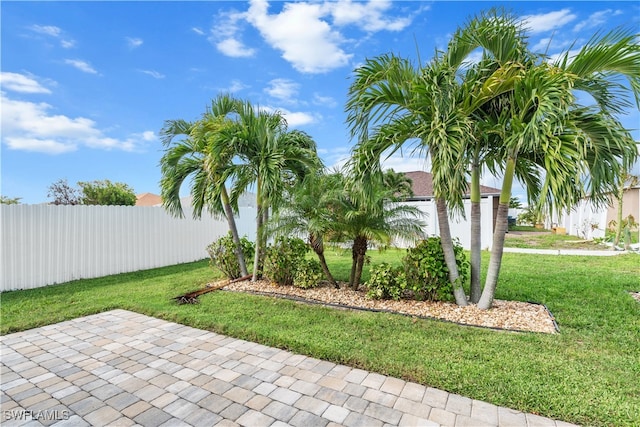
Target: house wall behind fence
x=46, y=244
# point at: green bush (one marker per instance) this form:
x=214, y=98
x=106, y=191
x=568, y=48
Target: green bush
x=308, y=274
x=283, y=258
x=222, y=253
x=386, y=282
x=426, y=272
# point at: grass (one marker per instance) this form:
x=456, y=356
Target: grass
x=588, y=374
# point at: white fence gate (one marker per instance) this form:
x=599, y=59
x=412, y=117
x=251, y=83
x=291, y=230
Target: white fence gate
x=45, y=244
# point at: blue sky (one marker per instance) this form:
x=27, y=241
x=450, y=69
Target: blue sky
x=87, y=86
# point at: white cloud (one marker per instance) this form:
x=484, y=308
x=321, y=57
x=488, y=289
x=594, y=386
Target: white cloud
x=547, y=21
x=198, y=31
x=570, y=54
x=154, y=74
x=49, y=30
x=81, y=65
x=325, y=101
x=234, y=48
x=20, y=83
x=293, y=118
x=149, y=135
x=55, y=32
x=282, y=89
x=134, y=42
x=596, y=19
x=306, y=32
x=369, y=16
x=294, y=30
x=30, y=126
x=224, y=35
x=236, y=86
x=405, y=164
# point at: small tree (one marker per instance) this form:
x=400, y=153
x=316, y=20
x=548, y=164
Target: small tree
x=63, y=194
x=4, y=200
x=107, y=193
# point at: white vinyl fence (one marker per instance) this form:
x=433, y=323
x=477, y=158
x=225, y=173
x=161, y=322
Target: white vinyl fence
x=45, y=244
x=585, y=221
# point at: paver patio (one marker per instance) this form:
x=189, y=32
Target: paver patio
x=121, y=368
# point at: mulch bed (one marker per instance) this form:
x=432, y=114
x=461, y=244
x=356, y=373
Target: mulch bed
x=505, y=315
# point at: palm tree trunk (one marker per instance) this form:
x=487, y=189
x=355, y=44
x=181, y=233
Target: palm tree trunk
x=488, y=293
x=360, y=249
x=318, y=248
x=616, y=240
x=259, y=218
x=234, y=231
x=476, y=238
x=449, y=254
x=354, y=263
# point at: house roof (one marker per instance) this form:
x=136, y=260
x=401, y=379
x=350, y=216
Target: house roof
x=422, y=186
x=148, y=199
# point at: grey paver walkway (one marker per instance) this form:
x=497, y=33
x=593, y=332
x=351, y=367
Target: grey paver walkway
x=120, y=368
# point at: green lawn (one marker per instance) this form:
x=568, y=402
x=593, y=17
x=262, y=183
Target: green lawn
x=588, y=374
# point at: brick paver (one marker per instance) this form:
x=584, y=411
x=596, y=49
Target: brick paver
x=123, y=368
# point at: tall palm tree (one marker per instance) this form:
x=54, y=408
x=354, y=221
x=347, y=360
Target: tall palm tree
x=270, y=158
x=372, y=217
x=190, y=153
x=399, y=105
x=582, y=150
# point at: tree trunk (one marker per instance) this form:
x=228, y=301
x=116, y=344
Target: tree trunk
x=449, y=254
x=354, y=263
x=616, y=240
x=234, y=232
x=318, y=247
x=360, y=250
x=476, y=237
x=488, y=293
x=259, y=217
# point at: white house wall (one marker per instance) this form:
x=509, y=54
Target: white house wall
x=45, y=244
x=460, y=227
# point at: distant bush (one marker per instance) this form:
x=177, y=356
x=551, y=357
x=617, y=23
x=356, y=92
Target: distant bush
x=222, y=253
x=283, y=258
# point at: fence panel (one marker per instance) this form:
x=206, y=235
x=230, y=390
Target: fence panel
x=45, y=244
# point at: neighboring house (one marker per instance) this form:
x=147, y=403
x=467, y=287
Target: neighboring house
x=148, y=199
x=589, y=222
x=423, y=198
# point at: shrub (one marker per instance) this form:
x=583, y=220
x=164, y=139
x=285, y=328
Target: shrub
x=386, y=282
x=426, y=272
x=283, y=258
x=222, y=253
x=308, y=274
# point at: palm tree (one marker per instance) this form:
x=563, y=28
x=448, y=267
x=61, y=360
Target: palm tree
x=190, y=153
x=401, y=105
x=370, y=217
x=308, y=211
x=270, y=158
x=511, y=112
x=581, y=149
